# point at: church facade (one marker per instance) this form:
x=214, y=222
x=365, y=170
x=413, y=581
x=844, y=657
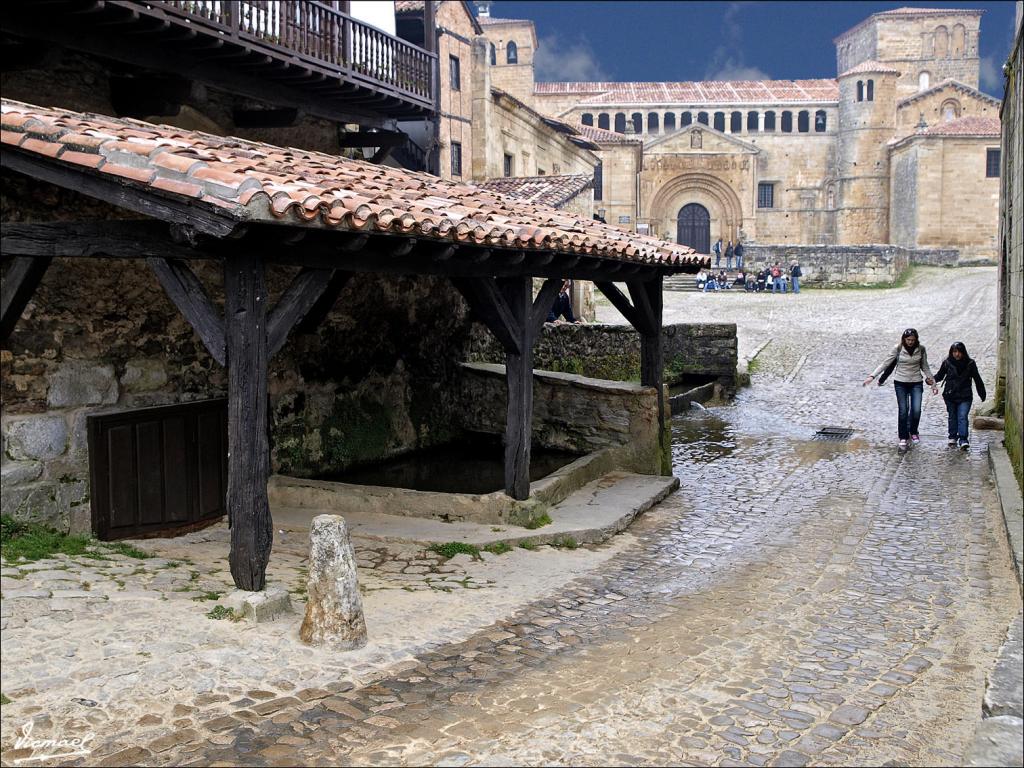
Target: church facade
x=900, y=148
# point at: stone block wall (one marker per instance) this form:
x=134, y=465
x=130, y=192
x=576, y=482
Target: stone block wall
x=612, y=352
x=836, y=265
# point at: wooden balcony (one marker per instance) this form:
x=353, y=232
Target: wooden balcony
x=333, y=64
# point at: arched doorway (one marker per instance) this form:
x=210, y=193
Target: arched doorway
x=694, y=227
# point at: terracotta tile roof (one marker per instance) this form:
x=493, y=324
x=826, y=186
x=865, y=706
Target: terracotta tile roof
x=956, y=85
x=554, y=191
x=965, y=126
x=557, y=123
x=706, y=92
x=601, y=136
x=252, y=181
x=908, y=11
x=871, y=66
x=485, y=20
x=408, y=6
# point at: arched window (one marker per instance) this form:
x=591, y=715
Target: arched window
x=957, y=42
x=736, y=122
x=702, y=117
x=803, y=121
x=587, y=119
x=670, y=122
x=924, y=80
x=950, y=110
x=941, y=42
x=638, y=122
x=769, y=121
x=494, y=54
x=720, y=121
x=603, y=121
x=652, y=122
x=860, y=90
x=752, y=122
x=685, y=119
x=787, y=122
x=512, y=53
x=871, y=90
x=620, y=122
x=820, y=121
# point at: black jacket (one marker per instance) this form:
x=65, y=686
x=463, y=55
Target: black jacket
x=958, y=383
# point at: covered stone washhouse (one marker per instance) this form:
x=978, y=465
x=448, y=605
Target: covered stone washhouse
x=323, y=300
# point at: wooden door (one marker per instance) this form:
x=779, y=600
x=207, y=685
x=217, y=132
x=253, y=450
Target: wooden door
x=158, y=470
x=694, y=227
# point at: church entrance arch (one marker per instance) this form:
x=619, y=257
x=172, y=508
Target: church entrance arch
x=693, y=227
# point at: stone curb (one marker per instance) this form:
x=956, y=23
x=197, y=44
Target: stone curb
x=1011, y=502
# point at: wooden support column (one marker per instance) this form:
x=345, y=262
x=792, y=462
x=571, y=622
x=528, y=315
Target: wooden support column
x=19, y=284
x=252, y=531
x=647, y=298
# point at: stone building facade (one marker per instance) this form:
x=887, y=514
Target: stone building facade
x=887, y=152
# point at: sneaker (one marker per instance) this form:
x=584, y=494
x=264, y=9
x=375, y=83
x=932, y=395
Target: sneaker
x=951, y=442
x=964, y=445
x=916, y=439
x=903, y=445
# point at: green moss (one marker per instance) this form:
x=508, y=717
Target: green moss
x=565, y=542
x=127, y=550
x=538, y=522
x=211, y=595
x=498, y=548
x=611, y=367
x=355, y=433
x=33, y=541
x=450, y=549
x=219, y=612
x=528, y=544
x=4, y=699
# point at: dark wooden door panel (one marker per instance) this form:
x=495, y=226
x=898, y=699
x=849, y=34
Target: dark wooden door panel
x=157, y=469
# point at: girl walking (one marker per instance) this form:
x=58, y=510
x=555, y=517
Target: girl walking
x=908, y=364
x=959, y=370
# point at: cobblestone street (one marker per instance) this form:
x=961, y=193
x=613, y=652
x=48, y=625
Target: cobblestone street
x=796, y=602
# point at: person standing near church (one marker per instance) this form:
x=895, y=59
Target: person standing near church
x=718, y=252
x=739, y=255
x=728, y=255
x=795, y=273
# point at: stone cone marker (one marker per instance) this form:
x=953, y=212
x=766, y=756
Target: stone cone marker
x=334, y=613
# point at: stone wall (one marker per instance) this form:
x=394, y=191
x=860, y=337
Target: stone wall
x=612, y=352
x=456, y=119
x=834, y=265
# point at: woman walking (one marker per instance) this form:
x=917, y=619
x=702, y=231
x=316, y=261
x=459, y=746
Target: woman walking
x=907, y=364
x=959, y=370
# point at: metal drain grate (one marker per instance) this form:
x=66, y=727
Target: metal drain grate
x=836, y=434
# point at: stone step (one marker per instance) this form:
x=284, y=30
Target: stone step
x=591, y=515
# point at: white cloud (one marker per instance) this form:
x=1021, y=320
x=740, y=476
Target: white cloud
x=726, y=62
x=556, y=60
x=991, y=75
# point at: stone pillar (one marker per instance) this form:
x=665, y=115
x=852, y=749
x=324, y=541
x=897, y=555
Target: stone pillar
x=334, y=613
x=760, y=122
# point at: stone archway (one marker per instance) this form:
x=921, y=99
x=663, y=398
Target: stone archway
x=713, y=194
x=693, y=227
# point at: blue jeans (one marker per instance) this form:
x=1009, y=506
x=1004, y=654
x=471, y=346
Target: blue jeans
x=958, y=410
x=739, y=263
x=796, y=283
x=908, y=396
x=778, y=285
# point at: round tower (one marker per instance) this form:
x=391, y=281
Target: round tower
x=867, y=122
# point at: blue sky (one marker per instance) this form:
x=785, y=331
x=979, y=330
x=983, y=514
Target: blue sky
x=638, y=40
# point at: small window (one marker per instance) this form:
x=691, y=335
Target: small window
x=992, y=164
x=702, y=118
x=541, y=172
x=587, y=119
x=769, y=121
x=494, y=54
x=620, y=122
x=454, y=73
x=720, y=121
x=685, y=119
x=509, y=165
x=860, y=90
x=638, y=122
x=787, y=122
x=670, y=121
x=765, y=195
x=751, y=122
x=456, y=152
x=512, y=53
x=652, y=122
x=871, y=90
x=820, y=121
x=603, y=121
x=803, y=121
x=599, y=181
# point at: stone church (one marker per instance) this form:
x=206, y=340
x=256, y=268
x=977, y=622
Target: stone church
x=900, y=148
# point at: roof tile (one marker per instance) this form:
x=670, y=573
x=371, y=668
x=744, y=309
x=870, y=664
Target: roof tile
x=692, y=92
x=252, y=181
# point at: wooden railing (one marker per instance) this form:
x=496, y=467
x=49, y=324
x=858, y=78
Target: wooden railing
x=318, y=34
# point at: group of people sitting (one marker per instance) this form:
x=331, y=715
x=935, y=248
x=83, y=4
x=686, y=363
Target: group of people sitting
x=774, y=277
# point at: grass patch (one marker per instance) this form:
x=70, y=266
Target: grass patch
x=498, y=548
x=220, y=612
x=211, y=595
x=754, y=365
x=450, y=549
x=94, y=556
x=127, y=550
x=528, y=544
x=538, y=522
x=4, y=699
x=565, y=542
x=33, y=541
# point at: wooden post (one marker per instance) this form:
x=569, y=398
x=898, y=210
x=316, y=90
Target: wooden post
x=647, y=298
x=519, y=379
x=252, y=531
x=19, y=284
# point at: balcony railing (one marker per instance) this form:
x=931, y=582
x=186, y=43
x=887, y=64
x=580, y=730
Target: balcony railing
x=316, y=34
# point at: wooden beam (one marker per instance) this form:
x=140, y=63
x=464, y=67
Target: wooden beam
x=652, y=361
x=191, y=299
x=295, y=303
x=489, y=304
x=620, y=302
x=19, y=284
x=518, y=291
x=96, y=239
x=319, y=311
x=252, y=531
x=133, y=198
x=543, y=303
